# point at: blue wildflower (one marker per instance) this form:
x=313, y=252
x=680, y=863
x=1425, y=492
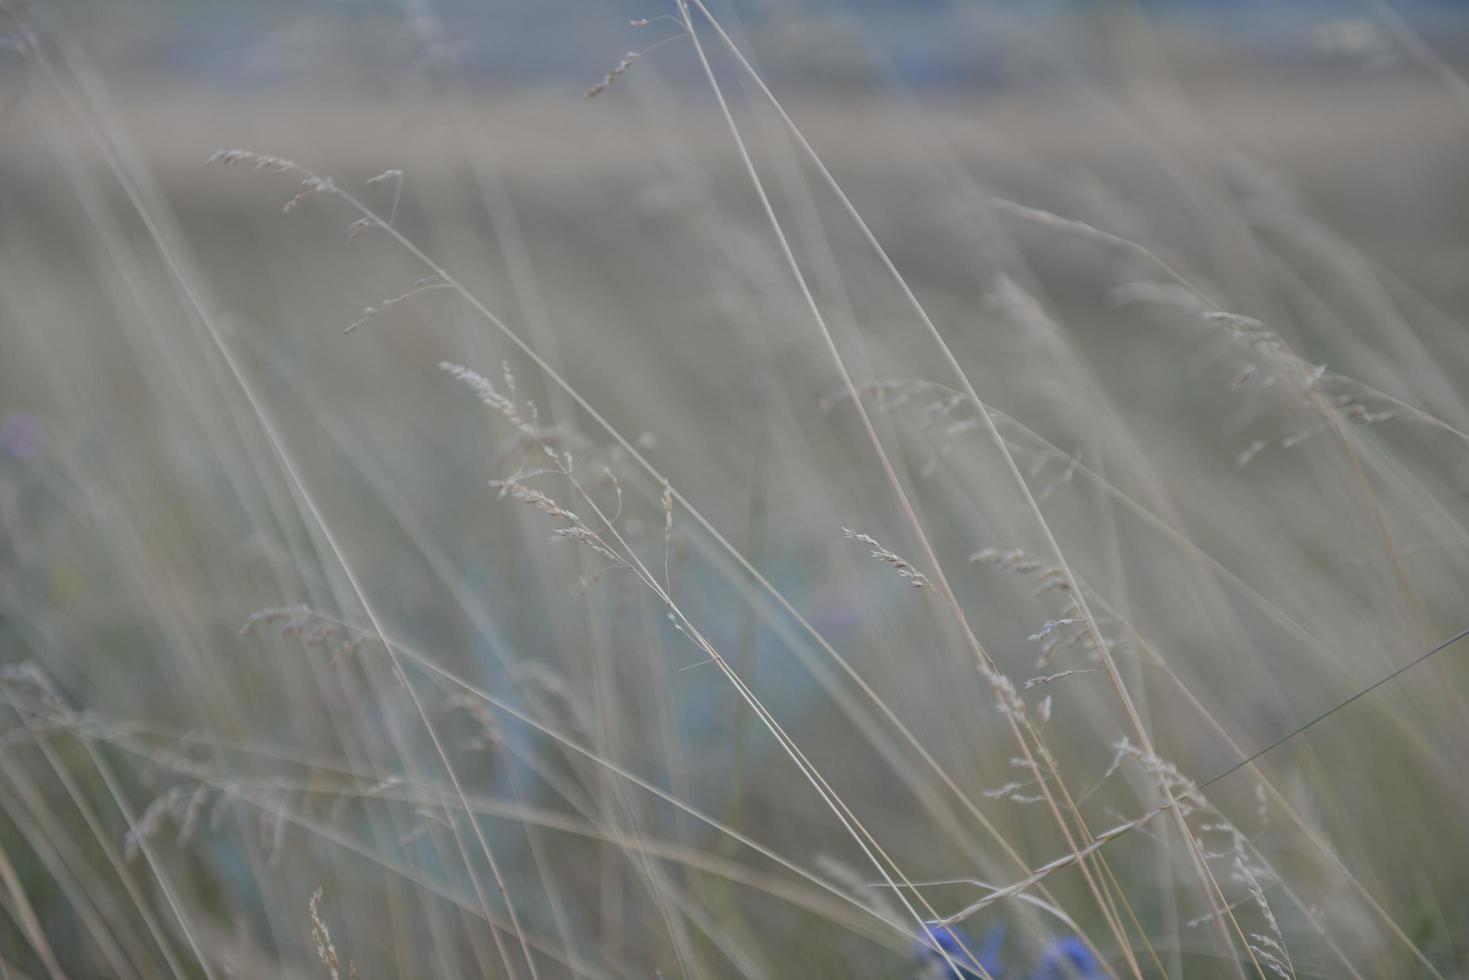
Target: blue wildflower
x=20, y=436
x=1069, y=959
x=961, y=953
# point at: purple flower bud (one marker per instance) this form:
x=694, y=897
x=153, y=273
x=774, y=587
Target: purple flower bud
x=1069, y=959
x=961, y=953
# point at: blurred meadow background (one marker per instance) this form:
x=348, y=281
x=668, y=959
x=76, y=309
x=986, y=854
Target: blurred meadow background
x=766, y=490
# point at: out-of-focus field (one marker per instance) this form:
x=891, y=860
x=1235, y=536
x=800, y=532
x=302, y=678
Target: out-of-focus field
x=1265, y=513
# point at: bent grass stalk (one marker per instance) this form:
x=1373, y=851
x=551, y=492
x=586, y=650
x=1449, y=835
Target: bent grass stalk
x=985, y=661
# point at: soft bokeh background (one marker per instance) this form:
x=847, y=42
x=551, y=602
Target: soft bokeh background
x=190, y=436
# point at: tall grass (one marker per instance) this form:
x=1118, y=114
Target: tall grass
x=699, y=531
